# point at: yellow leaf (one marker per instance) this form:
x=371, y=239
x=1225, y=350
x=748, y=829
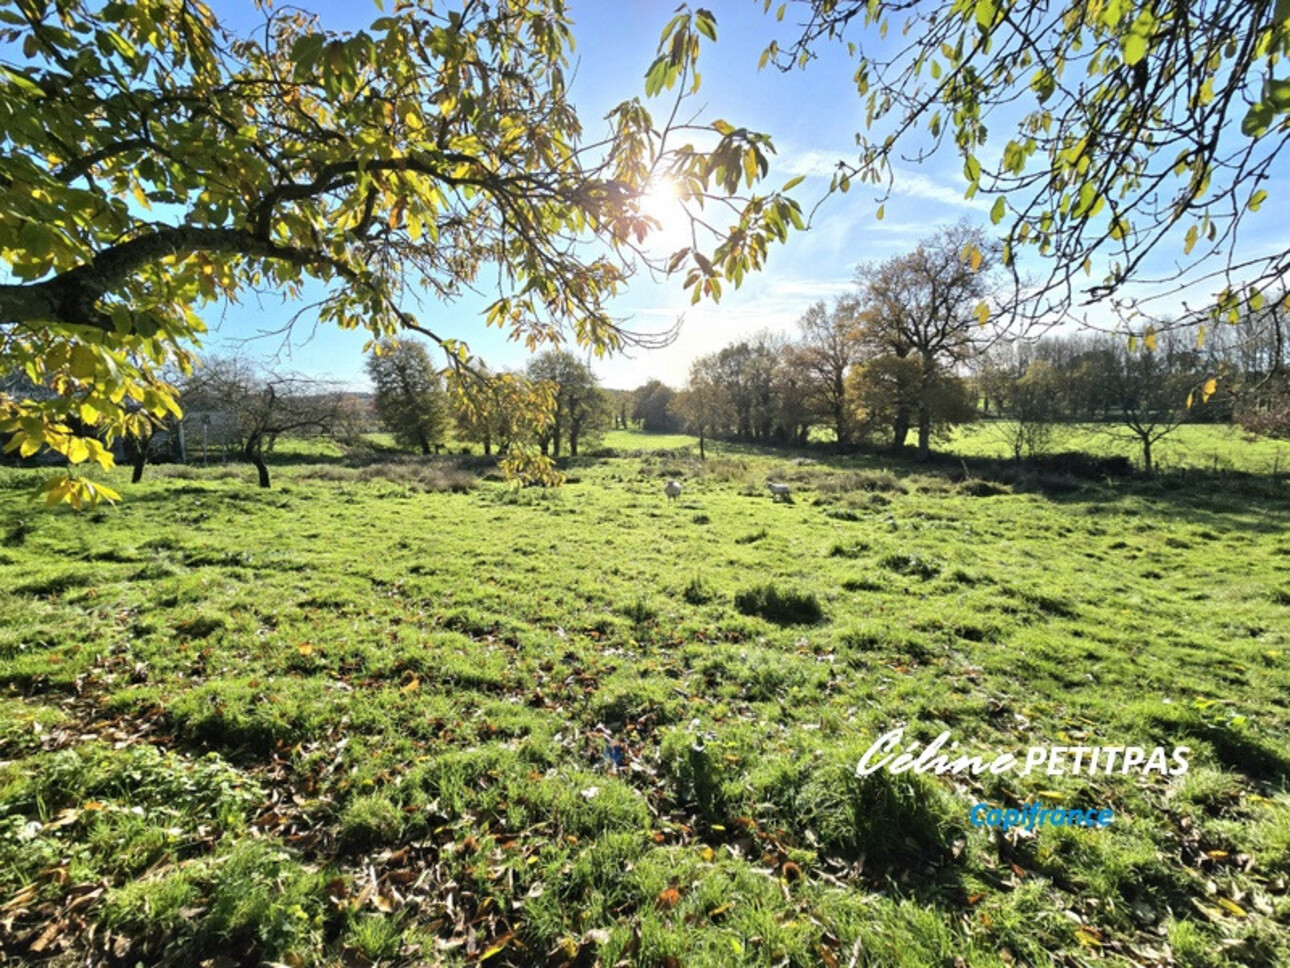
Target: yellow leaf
x=100, y=492
x=84, y=363
x=1089, y=937
x=1232, y=908
x=100, y=454
x=497, y=948
x=982, y=313
x=1149, y=339
x=305, y=649
x=707, y=853
x=412, y=686
x=56, y=491
x=1208, y=390
x=77, y=450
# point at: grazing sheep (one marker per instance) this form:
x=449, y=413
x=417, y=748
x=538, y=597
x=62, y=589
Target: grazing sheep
x=672, y=489
x=778, y=491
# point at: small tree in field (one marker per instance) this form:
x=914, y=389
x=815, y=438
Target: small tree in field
x=265, y=404
x=1036, y=399
x=410, y=398
x=828, y=348
x=582, y=410
x=703, y=404
x=1151, y=392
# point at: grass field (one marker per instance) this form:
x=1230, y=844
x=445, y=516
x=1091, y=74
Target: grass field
x=1213, y=447
x=405, y=714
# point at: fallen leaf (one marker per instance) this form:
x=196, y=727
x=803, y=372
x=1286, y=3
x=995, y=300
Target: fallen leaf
x=1231, y=907
x=1089, y=937
x=497, y=946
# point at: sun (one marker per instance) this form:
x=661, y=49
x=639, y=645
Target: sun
x=661, y=201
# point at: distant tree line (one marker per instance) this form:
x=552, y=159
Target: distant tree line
x=906, y=353
x=903, y=356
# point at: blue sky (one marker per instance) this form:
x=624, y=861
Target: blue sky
x=812, y=114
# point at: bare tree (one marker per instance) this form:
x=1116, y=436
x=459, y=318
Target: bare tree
x=828, y=348
x=1151, y=391
x=266, y=404
x=923, y=306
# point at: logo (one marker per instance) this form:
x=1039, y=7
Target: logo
x=1035, y=814
x=939, y=757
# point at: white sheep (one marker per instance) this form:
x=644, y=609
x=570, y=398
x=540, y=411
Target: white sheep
x=672, y=489
x=778, y=491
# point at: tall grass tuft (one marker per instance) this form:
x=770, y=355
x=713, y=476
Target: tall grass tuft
x=783, y=607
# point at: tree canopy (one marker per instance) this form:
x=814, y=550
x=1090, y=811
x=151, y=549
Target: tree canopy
x=1102, y=128
x=919, y=306
x=410, y=398
x=154, y=162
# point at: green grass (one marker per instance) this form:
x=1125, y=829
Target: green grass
x=634, y=440
x=364, y=717
x=1211, y=447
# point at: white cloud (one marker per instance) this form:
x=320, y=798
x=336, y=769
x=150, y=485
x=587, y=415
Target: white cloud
x=812, y=161
x=811, y=288
x=917, y=185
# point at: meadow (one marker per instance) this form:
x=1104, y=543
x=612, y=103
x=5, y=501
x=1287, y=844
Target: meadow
x=399, y=712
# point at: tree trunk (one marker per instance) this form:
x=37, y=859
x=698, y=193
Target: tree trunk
x=1146, y=454
x=927, y=384
x=140, y=459
x=924, y=432
x=900, y=429
x=425, y=443
x=488, y=446
x=702, y=453
x=255, y=455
